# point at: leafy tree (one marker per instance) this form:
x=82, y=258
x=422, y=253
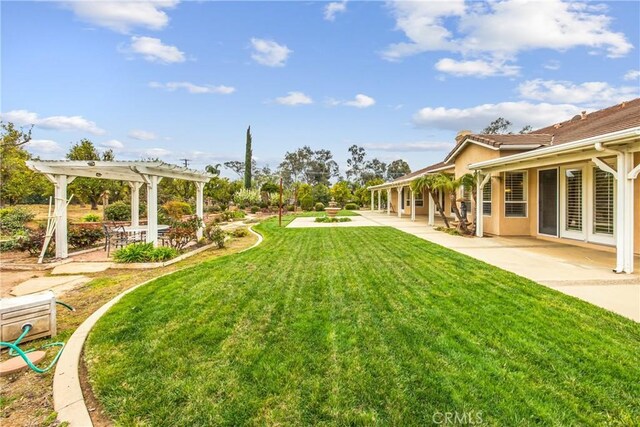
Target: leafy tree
x=221, y=190
x=17, y=181
x=363, y=194
x=236, y=166
x=321, y=167
x=213, y=169
x=356, y=163
x=320, y=193
x=397, y=168
x=90, y=189
x=430, y=184
x=341, y=192
x=449, y=184
x=501, y=126
x=248, y=162
x=374, y=169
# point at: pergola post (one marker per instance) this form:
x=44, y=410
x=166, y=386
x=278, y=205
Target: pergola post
x=400, y=201
x=135, y=203
x=372, y=201
x=388, y=201
x=413, y=205
x=379, y=200
x=200, y=208
x=481, y=181
x=152, y=209
x=432, y=211
x=62, y=248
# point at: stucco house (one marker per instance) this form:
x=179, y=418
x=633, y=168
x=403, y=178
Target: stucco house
x=575, y=181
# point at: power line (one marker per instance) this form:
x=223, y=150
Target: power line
x=186, y=162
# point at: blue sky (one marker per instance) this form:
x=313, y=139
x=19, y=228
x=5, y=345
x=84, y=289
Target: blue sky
x=184, y=79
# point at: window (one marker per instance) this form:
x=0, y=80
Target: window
x=574, y=200
x=466, y=196
x=486, y=199
x=419, y=199
x=603, y=215
x=515, y=195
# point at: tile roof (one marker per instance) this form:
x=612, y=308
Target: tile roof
x=433, y=167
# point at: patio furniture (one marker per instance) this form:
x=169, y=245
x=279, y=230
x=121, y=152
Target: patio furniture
x=115, y=235
x=163, y=236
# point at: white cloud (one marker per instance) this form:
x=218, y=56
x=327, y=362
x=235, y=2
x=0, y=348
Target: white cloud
x=43, y=146
x=632, y=75
x=552, y=65
x=520, y=113
x=409, y=146
x=269, y=53
x=333, y=8
x=153, y=50
x=476, y=68
x=593, y=94
x=502, y=29
x=193, y=88
x=112, y=144
x=142, y=135
x=63, y=123
x=359, y=101
x=156, y=152
x=122, y=16
x=294, y=98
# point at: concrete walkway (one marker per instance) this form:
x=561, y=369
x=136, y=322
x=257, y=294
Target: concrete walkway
x=581, y=272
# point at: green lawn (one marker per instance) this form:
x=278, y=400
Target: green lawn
x=359, y=326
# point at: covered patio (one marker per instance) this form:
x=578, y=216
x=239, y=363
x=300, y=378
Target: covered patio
x=135, y=173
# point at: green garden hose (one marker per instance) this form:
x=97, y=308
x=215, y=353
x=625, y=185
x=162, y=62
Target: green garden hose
x=14, y=350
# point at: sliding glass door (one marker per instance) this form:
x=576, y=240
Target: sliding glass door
x=548, y=202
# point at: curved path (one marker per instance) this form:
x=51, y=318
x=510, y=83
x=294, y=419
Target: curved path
x=68, y=400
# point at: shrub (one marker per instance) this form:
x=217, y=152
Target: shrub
x=183, y=232
x=118, y=211
x=215, y=234
x=351, y=206
x=327, y=219
x=319, y=207
x=245, y=197
x=32, y=240
x=306, y=203
x=215, y=208
x=91, y=218
x=255, y=209
x=137, y=252
x=231, y=215
x=14, y=219
x=291, y=208
x=176, y=209
x=163, y=253
x=82, y=237
x=240, y=232
x=144, y=252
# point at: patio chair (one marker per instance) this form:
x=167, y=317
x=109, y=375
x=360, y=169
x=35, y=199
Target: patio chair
x=163, y=237
x=117, y=236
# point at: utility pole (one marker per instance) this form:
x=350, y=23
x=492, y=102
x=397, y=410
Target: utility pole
x=186, y=162
x=280, y=210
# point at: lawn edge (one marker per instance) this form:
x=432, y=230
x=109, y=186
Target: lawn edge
x=68, y=399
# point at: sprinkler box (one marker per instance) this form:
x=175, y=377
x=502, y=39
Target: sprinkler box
x=39, y=310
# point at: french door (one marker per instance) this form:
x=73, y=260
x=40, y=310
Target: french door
x=548, y=202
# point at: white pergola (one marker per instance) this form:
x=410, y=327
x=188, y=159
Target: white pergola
x=63, y=172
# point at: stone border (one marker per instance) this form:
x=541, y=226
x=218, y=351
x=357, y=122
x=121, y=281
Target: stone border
x=68, y=400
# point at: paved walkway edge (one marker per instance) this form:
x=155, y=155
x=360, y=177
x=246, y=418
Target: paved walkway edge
x=68, y=400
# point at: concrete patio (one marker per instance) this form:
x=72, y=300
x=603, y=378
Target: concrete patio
x=584, y=273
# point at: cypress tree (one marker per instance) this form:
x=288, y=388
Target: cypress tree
x=247, y=160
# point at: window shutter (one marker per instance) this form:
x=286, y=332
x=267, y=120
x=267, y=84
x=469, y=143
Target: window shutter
x=574, y=200
x=603, y=215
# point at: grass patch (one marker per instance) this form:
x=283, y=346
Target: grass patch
x=359, y=326
x=329, y=219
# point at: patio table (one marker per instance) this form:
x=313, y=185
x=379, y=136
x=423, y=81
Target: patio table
x=137, y=231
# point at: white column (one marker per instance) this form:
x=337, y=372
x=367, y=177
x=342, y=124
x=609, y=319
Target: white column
x=135, y=203
x=152, y=209
x=379, y=200
x=62, y=248
x=432, y=210
x=200, y=207
x=624, y=214
x=371, y=200
x=400, y=201
x=413, y=205
x=479, y=197
x=388, y=201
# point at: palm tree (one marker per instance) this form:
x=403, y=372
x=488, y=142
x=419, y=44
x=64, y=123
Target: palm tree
x=428, y=183
x=469, y=181
x=446, y=182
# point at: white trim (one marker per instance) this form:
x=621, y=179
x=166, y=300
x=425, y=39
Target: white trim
x=394, y=184
x=633, y=174
x=461, y=146
x=525, y=194
x=613, y=137
x=562, y=230
x=592, y=236
x=604, y=166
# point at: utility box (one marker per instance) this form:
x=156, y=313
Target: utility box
x=39, y=310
